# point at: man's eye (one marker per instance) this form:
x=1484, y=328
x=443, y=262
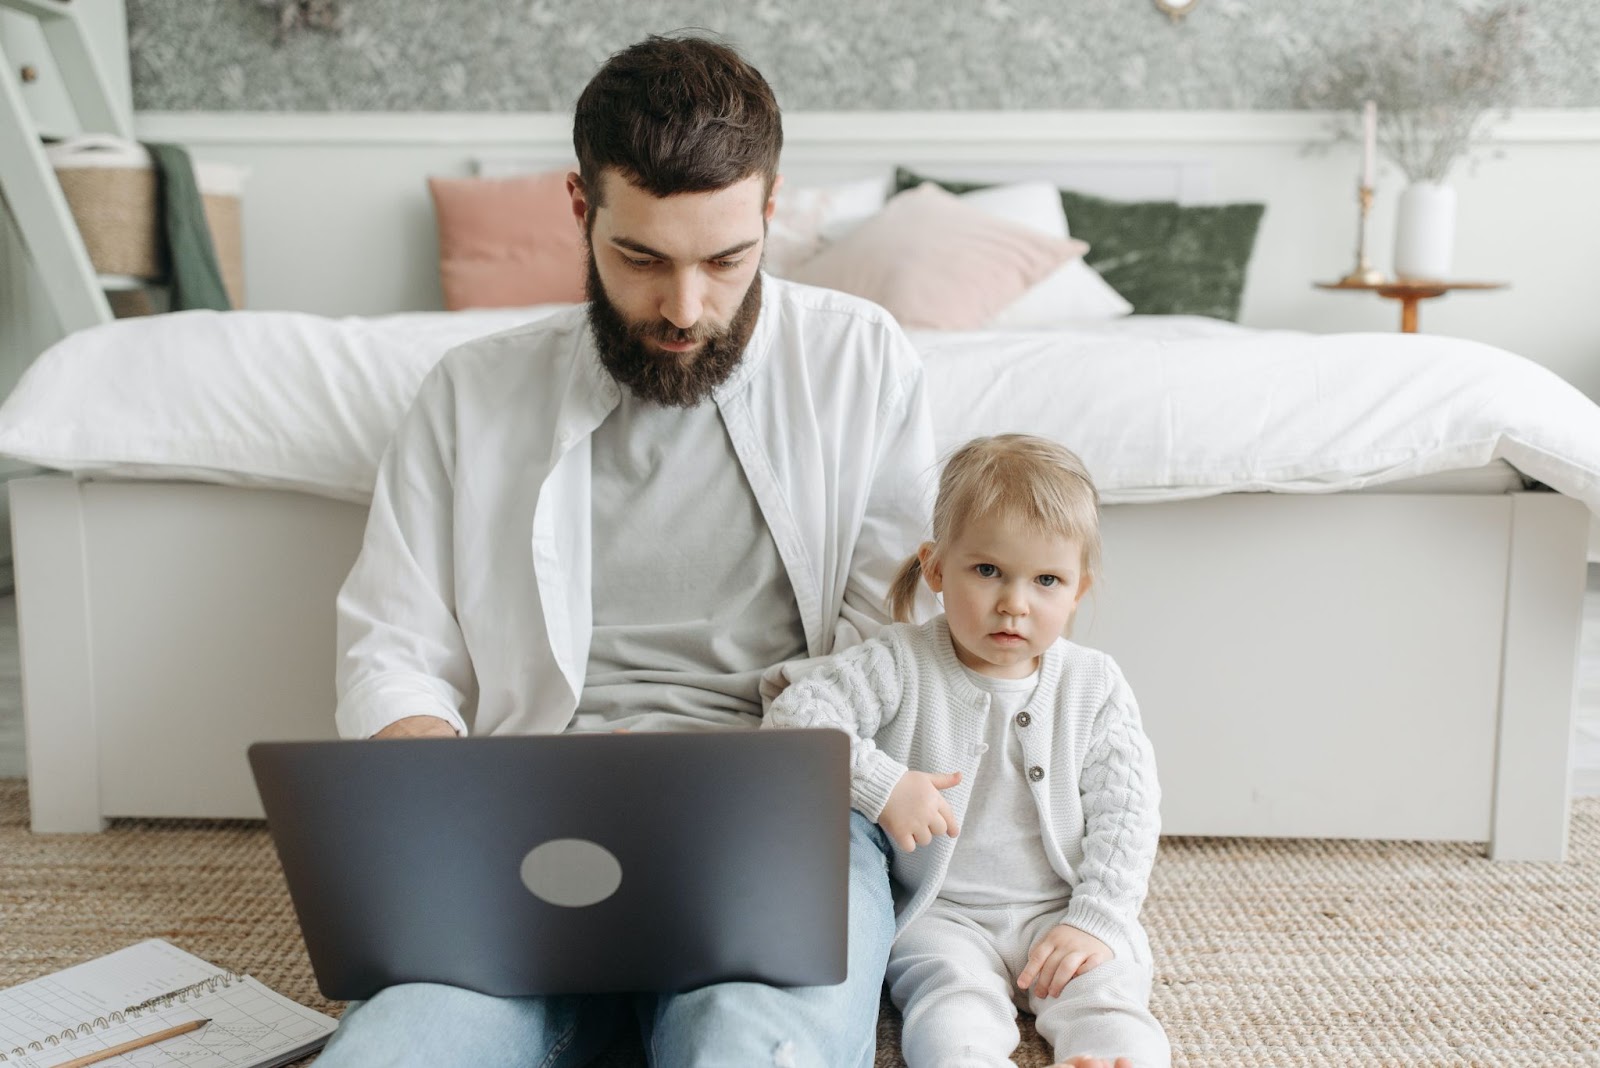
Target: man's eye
x=987, y=570
x=1048, y=580
x=641, y=264
x=727, y=265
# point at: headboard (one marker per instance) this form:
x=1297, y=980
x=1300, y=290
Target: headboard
x=1188, y=181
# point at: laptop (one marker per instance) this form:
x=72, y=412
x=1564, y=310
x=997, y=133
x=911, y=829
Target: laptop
x=584, y=863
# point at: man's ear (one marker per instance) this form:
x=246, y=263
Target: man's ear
x=580, y=199
x=932, y=567
x=772, y=198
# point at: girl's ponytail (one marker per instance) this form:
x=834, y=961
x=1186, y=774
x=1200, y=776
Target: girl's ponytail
x=903, y=593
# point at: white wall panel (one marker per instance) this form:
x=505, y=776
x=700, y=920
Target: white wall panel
x=338, y=219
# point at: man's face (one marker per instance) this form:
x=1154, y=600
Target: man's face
x=674, y=285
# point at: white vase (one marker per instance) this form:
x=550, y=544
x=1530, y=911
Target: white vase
x=1425, y=232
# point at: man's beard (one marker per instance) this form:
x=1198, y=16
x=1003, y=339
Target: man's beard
x=676, y=379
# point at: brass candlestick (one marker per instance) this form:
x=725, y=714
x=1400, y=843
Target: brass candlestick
x=1364, y=273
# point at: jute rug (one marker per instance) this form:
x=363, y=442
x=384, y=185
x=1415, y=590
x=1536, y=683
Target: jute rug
x=1268, y=953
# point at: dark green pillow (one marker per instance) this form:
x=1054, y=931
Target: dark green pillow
x=1165, y=258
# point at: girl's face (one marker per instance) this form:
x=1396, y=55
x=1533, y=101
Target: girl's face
x=1009, y=592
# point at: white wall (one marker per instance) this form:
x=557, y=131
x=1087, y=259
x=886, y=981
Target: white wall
x=338, y=221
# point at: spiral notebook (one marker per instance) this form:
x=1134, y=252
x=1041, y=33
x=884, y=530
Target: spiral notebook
x=149, y=987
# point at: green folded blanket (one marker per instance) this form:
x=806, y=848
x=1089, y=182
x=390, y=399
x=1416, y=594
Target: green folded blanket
x=193, y=275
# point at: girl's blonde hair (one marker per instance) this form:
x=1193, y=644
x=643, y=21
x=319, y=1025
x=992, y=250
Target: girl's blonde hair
x=1026, y=479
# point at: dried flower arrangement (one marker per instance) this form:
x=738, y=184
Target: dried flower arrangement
x=1433, y=92
x=293, y=15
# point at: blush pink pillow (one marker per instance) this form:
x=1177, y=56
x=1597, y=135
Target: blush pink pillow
x=507, y=242
x=937, y=263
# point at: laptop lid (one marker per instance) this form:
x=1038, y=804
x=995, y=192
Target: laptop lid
x=582, y=863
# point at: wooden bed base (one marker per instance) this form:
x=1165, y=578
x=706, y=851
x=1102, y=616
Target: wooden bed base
x=1365, y=666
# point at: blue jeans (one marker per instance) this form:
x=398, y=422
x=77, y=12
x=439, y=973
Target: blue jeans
x=729, y=1025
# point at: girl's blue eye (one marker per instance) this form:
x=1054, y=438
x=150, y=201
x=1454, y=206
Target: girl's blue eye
x=988, y=570
x=1048, y=580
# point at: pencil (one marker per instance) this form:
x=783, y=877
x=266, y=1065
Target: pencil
x=138, y=1043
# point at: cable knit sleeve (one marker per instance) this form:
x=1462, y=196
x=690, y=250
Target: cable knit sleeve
x=858, y=692
x=1122, y=822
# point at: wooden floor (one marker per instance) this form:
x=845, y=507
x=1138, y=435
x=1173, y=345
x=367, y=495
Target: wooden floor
x=1586, y=751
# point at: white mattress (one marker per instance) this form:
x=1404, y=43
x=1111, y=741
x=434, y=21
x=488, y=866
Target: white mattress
x=1160, y=408
x=1176, y=407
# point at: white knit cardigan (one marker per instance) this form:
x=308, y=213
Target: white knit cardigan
x=905, y=701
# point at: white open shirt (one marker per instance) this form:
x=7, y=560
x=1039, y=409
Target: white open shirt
x=471, y=595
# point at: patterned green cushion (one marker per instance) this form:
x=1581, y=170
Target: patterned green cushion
x=1165, y=258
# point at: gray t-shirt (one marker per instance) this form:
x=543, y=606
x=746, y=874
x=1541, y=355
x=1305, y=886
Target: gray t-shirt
x=691, y=600
x=999, y=858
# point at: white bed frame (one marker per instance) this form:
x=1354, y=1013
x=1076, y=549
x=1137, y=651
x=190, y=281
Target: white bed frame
x=1367, y=666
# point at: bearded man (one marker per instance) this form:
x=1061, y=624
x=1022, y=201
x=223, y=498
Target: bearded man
x=622, y=516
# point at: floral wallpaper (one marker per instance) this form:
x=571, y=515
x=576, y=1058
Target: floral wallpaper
x=536, y=55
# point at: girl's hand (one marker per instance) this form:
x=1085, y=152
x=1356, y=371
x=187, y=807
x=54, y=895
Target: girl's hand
x=1062, y=954
x=1093, y=1062
x=917, y=812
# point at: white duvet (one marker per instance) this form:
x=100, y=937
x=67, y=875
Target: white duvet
x=1160, y=408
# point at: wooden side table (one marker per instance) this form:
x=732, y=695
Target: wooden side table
x=1410, y=294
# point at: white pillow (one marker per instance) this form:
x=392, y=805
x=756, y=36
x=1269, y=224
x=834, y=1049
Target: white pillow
x=1035, y=205
x=1074, y=291
x=810, y=217
x=252, y=398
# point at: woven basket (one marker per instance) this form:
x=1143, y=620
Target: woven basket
x=110, y=186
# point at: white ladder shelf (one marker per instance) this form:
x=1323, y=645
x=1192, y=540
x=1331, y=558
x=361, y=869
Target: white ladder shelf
x=28, y=183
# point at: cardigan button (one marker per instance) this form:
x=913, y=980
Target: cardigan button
x=1023, y=719
x=1035, y=773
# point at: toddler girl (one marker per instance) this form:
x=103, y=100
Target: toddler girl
x=986, y=721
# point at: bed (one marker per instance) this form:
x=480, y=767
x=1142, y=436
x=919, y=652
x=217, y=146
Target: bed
x=1343, y=572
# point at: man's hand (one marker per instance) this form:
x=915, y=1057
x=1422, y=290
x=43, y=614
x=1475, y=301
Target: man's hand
x=1062, y=954
x=418, y=727
x=916, y=811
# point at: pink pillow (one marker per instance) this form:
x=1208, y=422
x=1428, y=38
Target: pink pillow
x=507, y=242
x=938, y=263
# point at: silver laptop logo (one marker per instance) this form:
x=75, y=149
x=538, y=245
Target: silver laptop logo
x=571, y=872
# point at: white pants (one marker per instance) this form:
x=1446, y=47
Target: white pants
x=952, y=974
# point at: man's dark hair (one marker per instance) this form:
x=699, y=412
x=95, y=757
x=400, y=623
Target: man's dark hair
x=680, y=114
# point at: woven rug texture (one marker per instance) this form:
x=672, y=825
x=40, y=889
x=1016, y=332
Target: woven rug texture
x=1269, y=953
